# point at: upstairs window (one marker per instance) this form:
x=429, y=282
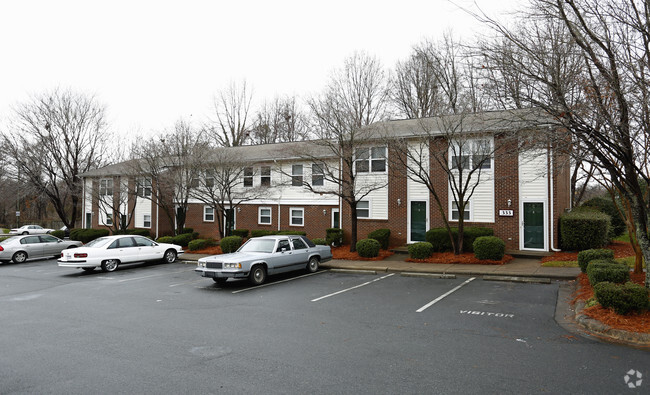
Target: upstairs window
x=106, y=187
x=209, y=179
x=144, y=187
x=265, y=176
x=370, y=160
x=248, y=177
x=296, y=175
x=317, y=176
x=471, y=154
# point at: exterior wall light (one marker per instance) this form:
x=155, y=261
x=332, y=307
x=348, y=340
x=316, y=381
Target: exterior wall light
x=399, y=201
x=509, y=202
x=324, y=212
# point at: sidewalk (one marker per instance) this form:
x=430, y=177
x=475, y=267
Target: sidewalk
x=518, y=267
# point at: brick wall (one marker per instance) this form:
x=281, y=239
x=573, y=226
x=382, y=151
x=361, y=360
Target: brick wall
x=506, y=182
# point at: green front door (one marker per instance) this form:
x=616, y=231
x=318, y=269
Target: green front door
x=534, y=225
x=230, y=221
x=418, y=221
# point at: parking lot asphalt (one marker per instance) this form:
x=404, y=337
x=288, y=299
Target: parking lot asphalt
x=160, y=328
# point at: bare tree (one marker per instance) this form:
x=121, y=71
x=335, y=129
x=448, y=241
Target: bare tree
x=612, y=117
x=173, y=165
x=356, y=96
x=231, y=110
x=415, y=90
x=53, y=138
x=278, y=122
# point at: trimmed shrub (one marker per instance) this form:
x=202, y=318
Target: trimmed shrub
x=292, y=233
x=489, y=247
x=139, y=232
x=86, y=235
x=623, y=298
x=368, y=248
x=439, y=237
x=421, y=250
x=319, y=241
x=607, y=206
x=183, y=239
x=243, y=233
x=187, y=230
x=602, y=270
x=262, y=232
x=583, y=230
x=165, y=239
x=199, y=244
x=382, y=236
x=230, y=243
x=586, y=256
x=334, y=236
x=58, y=233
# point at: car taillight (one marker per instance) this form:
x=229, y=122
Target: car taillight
x=1, y=249
x=83, y=255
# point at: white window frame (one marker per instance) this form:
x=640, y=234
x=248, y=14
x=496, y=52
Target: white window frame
x=320, y=176
x=144, y=187
x=369, y=209
x=206, y=214
x=468, y=209
x=108, y=219
x=297, y=179
x=248, y=177
x=302, y=215
x=369, y=158
x=106, y=187
x=144, y=221
x=467, y=151
x=265, y=176
x=260, y=216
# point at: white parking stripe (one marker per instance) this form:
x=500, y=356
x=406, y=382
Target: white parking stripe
x=278, y=282
x=439, y=298
x=153, y=275
x=355, y=287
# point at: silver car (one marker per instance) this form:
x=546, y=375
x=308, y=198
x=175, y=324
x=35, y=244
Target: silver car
x=21, y=248
x=262, y=256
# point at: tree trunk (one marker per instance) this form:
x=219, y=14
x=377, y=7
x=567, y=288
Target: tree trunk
x=640, y=219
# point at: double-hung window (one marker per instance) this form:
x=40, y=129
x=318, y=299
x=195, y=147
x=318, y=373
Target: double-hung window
x=265, y=176
x=106, y=187
x=471, y=154
x=317, y=176
x=264, y=216
x=209, y=179
x=296, y=175
x=208, y=214
x=455, y=212
x=363, y=209
x=297, y=216
x=248, y=177
x=372, y=159
x=109, y=219
x=144, y=187
x=146, y=221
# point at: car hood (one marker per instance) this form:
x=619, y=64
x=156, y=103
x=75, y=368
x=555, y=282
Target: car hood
x=236, y=257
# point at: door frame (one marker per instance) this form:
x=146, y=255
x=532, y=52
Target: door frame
x=408, y=218
x=521, y=224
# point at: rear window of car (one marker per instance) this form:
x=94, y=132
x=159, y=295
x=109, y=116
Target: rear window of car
x=8, y=240
x=98, y=243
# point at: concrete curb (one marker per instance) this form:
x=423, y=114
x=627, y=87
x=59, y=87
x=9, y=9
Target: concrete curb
x=597, y=327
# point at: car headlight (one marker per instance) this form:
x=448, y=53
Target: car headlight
x=201, y=264
x=232, y=265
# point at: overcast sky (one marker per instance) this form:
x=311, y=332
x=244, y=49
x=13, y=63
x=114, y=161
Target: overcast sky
x=152, y=62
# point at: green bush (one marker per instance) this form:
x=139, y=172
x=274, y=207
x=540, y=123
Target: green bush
x=187, y=230
x=421, y=250
x=58, y=233
x=489, y=247
x=382, y=236
x=199, y=244
x=439, y=237
x=319, y=241
x=183, y=239
x=583, y=230
x=243, y=233
x=139, y=232
x=334, y=236
x=586, y=256
x=262, y=232
x=86, y=235
x=165, y=239
x=368, y=248
x=292, y=233
x=230, y=244
x=603, y=270
x=623, y=298
x=607, y=206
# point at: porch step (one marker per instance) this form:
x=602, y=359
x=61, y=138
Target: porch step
x=525, y=253
x=400, y=250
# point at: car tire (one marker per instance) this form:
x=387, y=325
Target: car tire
x=88, y=269
x=313, y=264
x=219, y=280
x=19, y=257
x=110, y=265
x=170, y=256
x=257, y=275
x=25, y=233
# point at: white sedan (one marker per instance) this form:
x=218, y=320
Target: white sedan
x=30, y=230
x=111, y=251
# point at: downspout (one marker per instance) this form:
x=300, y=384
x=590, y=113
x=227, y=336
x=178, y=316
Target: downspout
x=83, y=191
x=552, y=179
x=157, y=214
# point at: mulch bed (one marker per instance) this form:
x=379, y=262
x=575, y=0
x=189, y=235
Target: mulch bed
x=621, y=250
x=209, y=251
x=635, y=322
x=343, y=252
x=466, y=258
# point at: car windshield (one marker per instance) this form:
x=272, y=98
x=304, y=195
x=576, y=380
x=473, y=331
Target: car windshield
x=98, y=243
x=258, y=245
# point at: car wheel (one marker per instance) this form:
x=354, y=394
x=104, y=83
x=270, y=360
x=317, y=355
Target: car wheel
x=312, y=266
x=170, y=256
x=110, y=265
x=257, y=276
x=19, y=257
x=88, y=269
x=25, y=233
x=219, y=280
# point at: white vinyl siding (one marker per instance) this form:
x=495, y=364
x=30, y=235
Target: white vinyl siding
x=533, y=183
x=142, y=208
x=417, y=190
